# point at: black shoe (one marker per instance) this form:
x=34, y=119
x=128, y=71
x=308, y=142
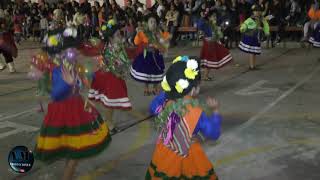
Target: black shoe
x=114, y=131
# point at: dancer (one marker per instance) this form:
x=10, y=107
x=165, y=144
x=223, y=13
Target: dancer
x=314, y=14
x=108, y=85
x=182, y=121
x=213, y=54
x=8, y=47
x=253, y=30
x=71, y=128
x=148, y=66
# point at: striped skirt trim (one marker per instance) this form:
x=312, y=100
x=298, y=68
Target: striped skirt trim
x=314, y=42
x=146, y=77
x=119, y=103
x=249, y=49
x=219, y=64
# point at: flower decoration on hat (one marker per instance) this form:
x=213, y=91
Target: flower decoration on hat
x=53, y=40
x=70, y=32
x=181, y=58
x=181, y=85
x=165, y=85
x=191, y=71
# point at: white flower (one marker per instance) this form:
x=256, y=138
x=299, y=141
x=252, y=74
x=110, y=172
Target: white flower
x=183, y=83
x=70, y=32
x=192, y=64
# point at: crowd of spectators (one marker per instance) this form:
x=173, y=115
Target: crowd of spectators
x=172, y=14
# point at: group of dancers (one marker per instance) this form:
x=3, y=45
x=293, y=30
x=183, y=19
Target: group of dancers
x=73, y=129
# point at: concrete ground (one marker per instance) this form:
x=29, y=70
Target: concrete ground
x=270, y=128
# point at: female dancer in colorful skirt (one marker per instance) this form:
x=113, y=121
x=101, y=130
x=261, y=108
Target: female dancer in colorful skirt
x=213, y=54
x=148, y=66
x=314, y=14
x=108, y=85
x=8, y=47
x=253, y=30
x=183, y=121
x=71, y=129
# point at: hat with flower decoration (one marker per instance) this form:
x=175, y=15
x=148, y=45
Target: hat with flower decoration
x=181, y=77
x=108, y=29
x=60, y=39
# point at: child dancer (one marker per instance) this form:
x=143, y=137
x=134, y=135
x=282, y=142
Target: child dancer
x=8, y=47
x=148, y=66
x=70, y=129
x=314, y=14
x=213, y=54
x=109, y=86
x=182, y=120
x=253, y=29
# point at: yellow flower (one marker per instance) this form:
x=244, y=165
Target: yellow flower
x=190, y=74
x=177, y=59
x=104, y=27
x=178, y=88
x=165, y=86
x=111, y=22
x=53, y=41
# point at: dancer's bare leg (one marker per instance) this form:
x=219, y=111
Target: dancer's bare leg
x=69, y=169
x=252, y=61
x=109, y=119
x=146, y=90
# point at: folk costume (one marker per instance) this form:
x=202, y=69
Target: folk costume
x=148, y=66
x=183, y=123
x=8, y=47
x=253, y=30
x=314, y=14
x=213, y=54
x=70, y=129
x=108, y=86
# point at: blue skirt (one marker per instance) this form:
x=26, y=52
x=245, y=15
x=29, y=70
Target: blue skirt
x=149, y=69
x=250, y=44
x=315, y=38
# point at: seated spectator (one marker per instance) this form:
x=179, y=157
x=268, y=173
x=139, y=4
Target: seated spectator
x=172, y=22
x=294, y=13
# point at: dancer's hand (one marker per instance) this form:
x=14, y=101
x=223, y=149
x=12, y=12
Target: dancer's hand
x=213, y=104
x=68, y=76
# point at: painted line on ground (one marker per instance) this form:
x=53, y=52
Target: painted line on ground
x=226, y=139
x=262, y=149
x=18, y=114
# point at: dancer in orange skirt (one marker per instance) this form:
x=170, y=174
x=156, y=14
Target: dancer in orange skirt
x=183, y=123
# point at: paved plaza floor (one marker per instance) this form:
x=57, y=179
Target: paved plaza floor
x=270, y=128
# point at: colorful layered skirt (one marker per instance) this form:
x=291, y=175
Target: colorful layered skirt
x=250, y=44
x=315, y=38
x=7, y=44
x=109, y=90
x=148, y=68
x=214, y=55
x=68, y=131
x=167, y=164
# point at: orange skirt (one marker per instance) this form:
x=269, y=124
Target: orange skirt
x=167, y=164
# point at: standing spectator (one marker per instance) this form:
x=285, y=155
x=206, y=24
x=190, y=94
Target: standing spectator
x=275, y=18
x=18, y=20
x=44, y=25
x=102, y=16
x=130, y=31
x=294, y=12
x=94, y=21
x=172, y=22
x=244, y=10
